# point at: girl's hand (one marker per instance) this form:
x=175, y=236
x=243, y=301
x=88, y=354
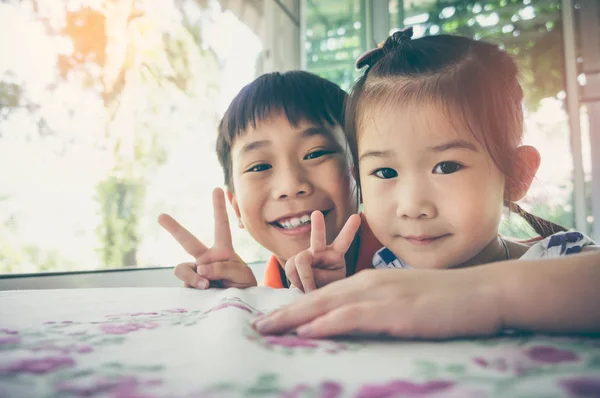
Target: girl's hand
x=432, y=304
x=321, y=264
x=219, y=264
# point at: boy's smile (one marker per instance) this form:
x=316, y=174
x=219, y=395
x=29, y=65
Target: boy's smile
x=296, y=223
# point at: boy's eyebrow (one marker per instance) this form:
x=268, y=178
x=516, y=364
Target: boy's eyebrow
x=456, y=144
x=308, y=132
x=254, y=145
x=375, y=154
x=312, y=131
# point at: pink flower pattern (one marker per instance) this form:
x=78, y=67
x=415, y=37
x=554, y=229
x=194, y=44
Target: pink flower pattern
x=53, y=356
x=550, y=355
x=63, y=349
x=119, y=387
x=37, y=365
x=585, y=387
x=401, y=388
x=230, y=305
x=124, y=328
x=5, y=340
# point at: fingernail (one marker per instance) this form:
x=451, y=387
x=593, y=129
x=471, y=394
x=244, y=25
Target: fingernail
x=202, y=284
x=304, y=330
x=202, y=269
x=262, y=324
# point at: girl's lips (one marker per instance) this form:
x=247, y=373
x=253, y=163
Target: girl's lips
x=423, y=240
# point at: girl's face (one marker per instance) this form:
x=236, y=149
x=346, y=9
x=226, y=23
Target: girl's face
x=431, y=192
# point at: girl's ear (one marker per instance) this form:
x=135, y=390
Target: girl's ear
x=236, y=207
x=527, y=162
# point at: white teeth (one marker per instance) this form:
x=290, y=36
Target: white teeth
x=295, y=222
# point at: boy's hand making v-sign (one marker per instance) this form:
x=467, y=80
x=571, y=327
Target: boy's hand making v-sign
x=218, y=266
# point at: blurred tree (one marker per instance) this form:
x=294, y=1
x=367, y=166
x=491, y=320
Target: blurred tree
x=139, y=68
x=528, y=29
x=135, y=57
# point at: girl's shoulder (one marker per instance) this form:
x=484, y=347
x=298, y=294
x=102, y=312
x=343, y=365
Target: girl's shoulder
x=560, y=244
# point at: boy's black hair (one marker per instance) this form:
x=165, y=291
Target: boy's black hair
x=300, y=96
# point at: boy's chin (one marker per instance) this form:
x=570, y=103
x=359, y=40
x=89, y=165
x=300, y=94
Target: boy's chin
x=288, y=249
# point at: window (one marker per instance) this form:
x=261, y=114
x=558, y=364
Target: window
x=108, y=115
x=334, y=39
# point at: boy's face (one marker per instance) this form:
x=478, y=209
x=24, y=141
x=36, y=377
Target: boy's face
x=281, y=174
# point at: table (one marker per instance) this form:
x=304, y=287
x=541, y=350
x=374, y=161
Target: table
x=177, y=342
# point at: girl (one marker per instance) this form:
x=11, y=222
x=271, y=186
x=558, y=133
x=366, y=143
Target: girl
x=435, y=126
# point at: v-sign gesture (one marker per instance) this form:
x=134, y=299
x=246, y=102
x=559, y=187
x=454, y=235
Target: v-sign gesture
x=219, y=263
x=321, y=264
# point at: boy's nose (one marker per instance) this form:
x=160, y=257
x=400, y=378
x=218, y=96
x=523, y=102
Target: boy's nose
x=292, y=184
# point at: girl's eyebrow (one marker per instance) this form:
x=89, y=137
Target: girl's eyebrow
x=456, y=144
x=375, y=154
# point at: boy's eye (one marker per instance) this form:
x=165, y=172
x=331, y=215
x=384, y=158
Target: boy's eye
x=385, y=173
x=259, y=167
x=318, y=154
x=447, y=168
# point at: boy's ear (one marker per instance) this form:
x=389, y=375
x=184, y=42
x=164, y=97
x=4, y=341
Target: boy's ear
x=527, y=162
x=236, y=208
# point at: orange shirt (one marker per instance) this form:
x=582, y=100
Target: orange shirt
x=368, y=246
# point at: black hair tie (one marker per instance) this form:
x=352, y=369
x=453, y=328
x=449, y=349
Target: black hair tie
x=398, y=38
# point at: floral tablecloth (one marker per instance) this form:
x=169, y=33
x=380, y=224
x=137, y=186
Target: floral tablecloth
x=176, y=342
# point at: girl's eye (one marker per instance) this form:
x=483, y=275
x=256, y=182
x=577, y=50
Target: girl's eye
x=317, y=154
x=447, y=168
x=385, y=173
x=259, y=167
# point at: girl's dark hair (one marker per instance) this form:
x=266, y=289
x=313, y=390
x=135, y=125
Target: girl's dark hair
x=472, y=80
x=298, y=95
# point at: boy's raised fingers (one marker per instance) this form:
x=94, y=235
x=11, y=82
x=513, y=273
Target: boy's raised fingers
x=229, y=273
x=291, y=272
x=305, y=272
x=185, y=238
x=222, y=229
x=186, y=272
x=318, y=235
x=342, y=243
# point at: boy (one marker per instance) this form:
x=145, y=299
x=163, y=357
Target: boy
x=284, y=155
